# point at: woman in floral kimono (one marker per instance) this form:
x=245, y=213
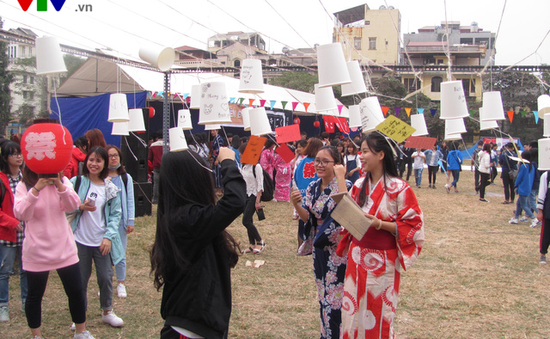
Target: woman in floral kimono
x=390, y=246
x=323, y=234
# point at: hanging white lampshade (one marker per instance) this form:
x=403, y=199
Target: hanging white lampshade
x=118, y=108
x=246, y=118
x=454, y=126
x=457, y=136
x=324, y=99
x=177, y=140
x=546, y=129
x=419, y=123
x=453, y=101
x=332, y=67
x=544, y=154
x=344, y=113
x=357, y=84
x=354, y=116
x=371, y=114
x=49, y=58
x=259, y=123
x=195, y=97
x=252, y=79
x=214, y=104
x=543, y=102
x=136, y=123
x=120, y=128
x=492, y=107
x=184, y=119
x=211, y=127
x=161, y=57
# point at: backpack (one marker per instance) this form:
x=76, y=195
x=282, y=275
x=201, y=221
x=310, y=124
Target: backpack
x=269, y=186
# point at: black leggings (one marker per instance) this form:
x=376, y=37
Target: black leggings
x=483, y=183
x=72, y=283
x=509, y=191
x=249, y=210
x=545, y=236
x=432, y=173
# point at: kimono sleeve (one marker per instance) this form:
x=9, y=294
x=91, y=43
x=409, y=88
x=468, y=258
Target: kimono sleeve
x=410, y=227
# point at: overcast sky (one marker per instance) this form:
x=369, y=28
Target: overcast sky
x=125, y=25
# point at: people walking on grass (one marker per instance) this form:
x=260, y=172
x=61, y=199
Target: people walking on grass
x=193, y=253
x=96, y=229
x=125, y=184
x=433, y=156
x=523, y=187
x=454, y=165
x=390, y=246
x=322, y=236
x=508, y=166
x=49, y=244
x=474, y=166
x=484, y=168
x=11, y=229
x=418, y=165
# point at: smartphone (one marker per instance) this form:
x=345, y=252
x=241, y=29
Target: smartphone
x=260, y=213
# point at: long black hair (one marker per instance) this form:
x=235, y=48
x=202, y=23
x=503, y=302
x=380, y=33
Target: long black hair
x=377, y=143
x=101, y=152
x=184, y=180
x=8, y=148
x=334, y=153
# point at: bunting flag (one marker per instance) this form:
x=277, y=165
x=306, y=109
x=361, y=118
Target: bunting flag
x=185, y=95
x=188, y=101
x=294, y=104
x=149, y=95
x=232, y=100
x=340, y=109
x=385, y=109
x=181, y=99
x=176, y=95
x=408, y=110
x=420, y=110
x=262, y=103
x=397, y=110
x=251, y=102
x=161, y=94
x=329, y=123
x=523, y=114
x=433, y=110
x=241, y=101
x=536, y=113
x=510, y=115
x=273, y=102
x=284, y=104
x=306, y=105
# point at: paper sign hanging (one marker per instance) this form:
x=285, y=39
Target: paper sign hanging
x=294, y=104
x=385, y=109
x=420, y=142
x=408, y=110
x=395, y=128
x=272, y=104
x=253, y=150
x=288, y=133
x=285, y=152
x=510, y=115
x=433, y=110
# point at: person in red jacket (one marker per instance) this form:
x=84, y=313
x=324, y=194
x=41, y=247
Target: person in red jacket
x=11, y=230
x=79, y=152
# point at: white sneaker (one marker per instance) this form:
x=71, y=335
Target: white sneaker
x=73, y=327
x=513, y=221
x=4, y=314
x=524, y=219
x=121, y=291
x=83, y=335
x=112, y=319
x=534, y=222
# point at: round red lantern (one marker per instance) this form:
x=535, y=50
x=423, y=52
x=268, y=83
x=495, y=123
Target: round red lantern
x=297, y=121
x=47, y=148
x=151, y=112
x=316, y=124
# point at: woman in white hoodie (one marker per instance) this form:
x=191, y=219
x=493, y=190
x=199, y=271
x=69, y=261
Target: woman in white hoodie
x=484, y=170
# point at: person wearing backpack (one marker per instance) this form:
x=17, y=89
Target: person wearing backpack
x=254, y=178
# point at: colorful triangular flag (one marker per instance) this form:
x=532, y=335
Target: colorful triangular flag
x=397, y=110
x=273, y=102
x=306, y=105
x=510, y=115
x=536, y=113
x=262, y=103
x=420, y=110
x=408, y=110
x=284, y=104
x=294, y=104
x=433, y=110
x=340, y=109
x=385, y=109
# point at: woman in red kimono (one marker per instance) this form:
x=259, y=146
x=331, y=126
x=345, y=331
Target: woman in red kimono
x=391, y=244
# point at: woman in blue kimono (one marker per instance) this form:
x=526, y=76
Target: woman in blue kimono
x=322, y=235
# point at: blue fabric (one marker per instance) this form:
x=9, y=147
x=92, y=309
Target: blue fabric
x=7, y=258
x=523, y=204
x=524, y=181
x=418, y=176
x=454, y=160
x=351, y=165
x=79, y=115
x=304, y=178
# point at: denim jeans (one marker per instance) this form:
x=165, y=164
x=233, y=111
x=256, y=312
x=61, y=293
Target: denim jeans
x=103, y=270
x=7, y=258
x=120, y=268
x=523, y=204
x=533, y=199
x=418, y=176
x=456, y=176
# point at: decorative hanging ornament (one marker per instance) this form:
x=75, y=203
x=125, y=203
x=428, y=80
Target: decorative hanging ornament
x=316, y=123
x=297, y=120
x=151, y=112
x=47, y=148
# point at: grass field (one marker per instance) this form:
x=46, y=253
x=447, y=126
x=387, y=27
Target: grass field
x=477, y=277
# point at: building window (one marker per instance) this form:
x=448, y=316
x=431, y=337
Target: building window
x=24, y=79
x=412, y=84
x=31, y=80
x=436, y=84
x=357, y=43
x=372, y=43
x=469, y=86
x=23, y=50
x=31, y=95
x=237, y=63
x=367, y=22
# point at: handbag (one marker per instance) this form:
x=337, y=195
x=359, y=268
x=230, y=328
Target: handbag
x=513, y=174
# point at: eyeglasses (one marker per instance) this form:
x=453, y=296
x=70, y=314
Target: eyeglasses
x=113, y=156
x=322, y=163
x=18, y=155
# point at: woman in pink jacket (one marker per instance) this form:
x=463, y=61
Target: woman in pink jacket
x=49, y=245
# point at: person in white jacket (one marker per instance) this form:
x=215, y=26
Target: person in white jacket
x=484, y=170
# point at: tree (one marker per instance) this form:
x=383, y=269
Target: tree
x=300, y=81
x=5, y=81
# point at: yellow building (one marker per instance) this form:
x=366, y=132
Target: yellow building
x=369, y=35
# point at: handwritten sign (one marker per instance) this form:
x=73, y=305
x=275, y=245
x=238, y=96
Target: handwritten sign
x=288, y=133
x=253, y=150
x=285, y=152
x=395, y=128
x=420, y=142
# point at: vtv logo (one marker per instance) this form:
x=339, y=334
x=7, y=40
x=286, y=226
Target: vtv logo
x=41, y=5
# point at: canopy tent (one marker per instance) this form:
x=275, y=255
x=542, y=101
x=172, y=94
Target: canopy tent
x=97, y=76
